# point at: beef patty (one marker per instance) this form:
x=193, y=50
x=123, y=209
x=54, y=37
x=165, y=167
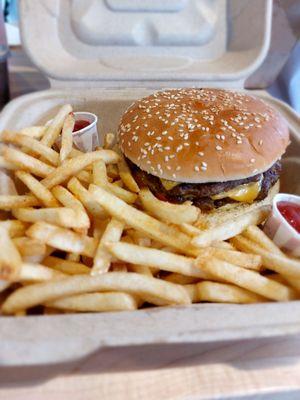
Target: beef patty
x=200, y=193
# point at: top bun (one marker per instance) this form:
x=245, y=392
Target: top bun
x=202, y=135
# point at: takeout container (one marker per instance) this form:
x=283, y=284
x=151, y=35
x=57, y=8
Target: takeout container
x=102, y=71
x=279, y=230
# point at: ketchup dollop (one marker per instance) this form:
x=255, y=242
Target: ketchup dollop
x=80, y=124
x=291, y=212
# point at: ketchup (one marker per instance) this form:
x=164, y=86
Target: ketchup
x=80, y=124
x=291, y=212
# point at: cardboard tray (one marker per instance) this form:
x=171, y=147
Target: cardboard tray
x=40, y=340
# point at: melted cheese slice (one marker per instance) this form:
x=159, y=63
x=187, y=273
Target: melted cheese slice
x=168, y=185
x=246, y=193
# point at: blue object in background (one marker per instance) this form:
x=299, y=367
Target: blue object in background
x=11, y=12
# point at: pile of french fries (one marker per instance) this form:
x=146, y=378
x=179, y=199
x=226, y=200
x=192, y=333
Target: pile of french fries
x=79, y=235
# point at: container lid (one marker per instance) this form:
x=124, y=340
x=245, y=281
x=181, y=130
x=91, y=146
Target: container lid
x=121, y=43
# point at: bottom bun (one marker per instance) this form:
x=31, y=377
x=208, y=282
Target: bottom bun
x=233, y=210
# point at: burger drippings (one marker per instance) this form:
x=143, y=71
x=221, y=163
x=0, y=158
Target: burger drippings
x=200, y=194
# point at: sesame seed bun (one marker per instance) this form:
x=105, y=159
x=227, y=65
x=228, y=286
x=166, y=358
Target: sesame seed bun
x=202, y=135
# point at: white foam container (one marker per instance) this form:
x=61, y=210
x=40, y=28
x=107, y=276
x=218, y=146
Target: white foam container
x=100, y=58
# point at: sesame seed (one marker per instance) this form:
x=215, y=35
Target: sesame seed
x=170, y=138
x=252, y=160
x=178, y=168
x=174, y=175
x=164, y=133
x=203, y=168
x=204, y=164
x=260, y=142
x=196, y=168
x=219, y=148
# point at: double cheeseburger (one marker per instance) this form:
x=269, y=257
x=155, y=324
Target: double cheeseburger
x=208, y=146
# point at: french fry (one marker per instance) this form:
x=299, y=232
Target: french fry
x=229, y=229
x=100, y=179
x=13, y=227
x=73, y=257
x=109, y=140
x=126, y=175
x=193, y=292
x=27, y=163
x=103, y=257
x=86, y=199
x=37, y=273
x=37, y=189
x=99, y=226
x=123, y=194
x=66, y=198
x=35, y=146
x=293, y=282
x=140, y=269
x=54, y=128
x=250, y=280
x=225, y=293
x=70, y=201
x=148, y=257
x=112, y=171
x=248, y=261
x=66, y=266
x=84, y=176
x=7, y=165
x=99, y=173
x=30, y=248
x=61, y=216
x=118, y=183
x=73, y=166
x=160, y=292
x=189, y=229
x=67, y=137
x=97, y=302
x=34, y=131
x=8, y=202
x=222, y=245
x=256, y=235
x=62, y=238
x=118, y=267
x=142, y=222
x=10, y=258
x=167, y=212
x=181, y=279
x=275, y=262
x=4, y=285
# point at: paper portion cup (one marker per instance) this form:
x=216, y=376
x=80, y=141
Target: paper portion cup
x=86, y=139
x=279, y=230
